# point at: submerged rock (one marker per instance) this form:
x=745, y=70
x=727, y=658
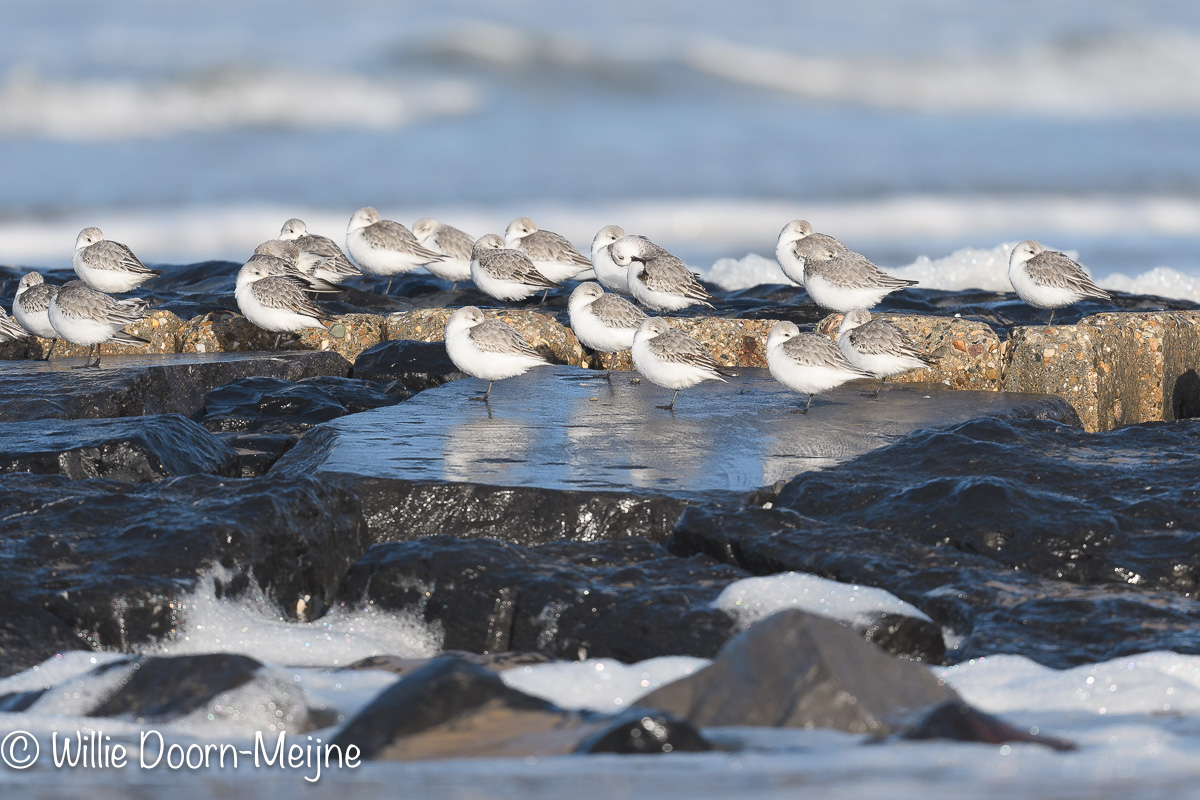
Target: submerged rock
x=134, y=450
x=130, y=386
x=795, y=669
x=275, y=405
x=451, y=708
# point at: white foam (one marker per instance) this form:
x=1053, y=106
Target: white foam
x=600, y=684
x=250, y=624
x=31, y=105
x=751, y=599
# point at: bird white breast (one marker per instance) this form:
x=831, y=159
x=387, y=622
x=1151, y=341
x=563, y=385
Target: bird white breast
x=109, y=281
x=451, y=269
x=379, y=261
x=37, y=322
x=595, y=334
x=1040, y=296
x=80, y=330
x=278, y=320
x=659, y=301
x=840, y=298
x=500, y=289
x=881, y=365
x=668, y=374
x=804, y=379
x=490, y=366
x=793, y=268
x=611, y=276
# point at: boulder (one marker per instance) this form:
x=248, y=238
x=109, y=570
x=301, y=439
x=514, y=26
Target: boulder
x=135, y=450
x=28, y=636
x=159, y=327
x=451, y=708
x=797, y=670
x=109, y=558
x=276, y=405
x=415, y=365
x=131, y=386
x=628, y=600
x=222, y=332
x=168, y=687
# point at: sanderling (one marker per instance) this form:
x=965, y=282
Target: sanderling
x=488, y=348
x=670, y=358
x=657, y=279
x=275, y=302
x=795, y=241
x=454, y=245
x=318, y=256
x=1049, y=279
x=31, y=308
x=878, y=346
x=807, y=362
x=108, y=266
x=10, y=330
x=84, y=316
x=845, y=280
x=280, y=257
x=504, y=273
x=611, y=276
x=604, y=322
x=383, y=247
x=552, y=254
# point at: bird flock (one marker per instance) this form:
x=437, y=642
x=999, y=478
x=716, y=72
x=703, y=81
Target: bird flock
x=275, y=285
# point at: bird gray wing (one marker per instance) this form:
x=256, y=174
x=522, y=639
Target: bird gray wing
x=453, y=242
x=1052, y=268
x=802, y=247
x=10, y=330
x=497, y=336
x=37, y=299
x=881, y=337
x=617, y=312
x=663, y=272
x=679, y=348
x=281, y=291
x=513, y=265
x=814, y=350
x=332, y=257
x=550, y=246
x=853, y=271
x=389, y=235
x=114, y=256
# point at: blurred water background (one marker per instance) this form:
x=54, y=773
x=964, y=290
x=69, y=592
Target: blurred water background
x=908, y=129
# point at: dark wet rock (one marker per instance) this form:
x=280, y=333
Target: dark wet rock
x=108, y=558
x=275, y=405
x=132, y=386
x=258, y=452
x=29, y=636
x=895, y=520
x=453, y=708
x=795, y=669
x=495, y=662
x=628, y=600
x=961, y=723
x=166, y=687
x=415, y=365
x=134, y=450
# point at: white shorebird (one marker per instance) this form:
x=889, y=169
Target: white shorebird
x=275, y=302
x=31, y=308
x=383, y=247
x=793, y=245
x=108, y=266
x=504, y=273
x=318, y=256
x=657, y=279
x=279, y=257
x=10, y=330
x=611, y=277
x=878, y=346
x=670, y=358
x=490, y=349
x=552, y=254
x=84, y=316
x=845, y=280
x=807, y=362
x=604, y=322
x=454, y=245
x=1049, y=279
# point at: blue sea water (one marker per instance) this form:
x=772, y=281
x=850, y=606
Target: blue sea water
x=145, y=118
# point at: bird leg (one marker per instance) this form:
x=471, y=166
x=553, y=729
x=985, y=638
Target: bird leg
x=806, y=405
x=879, y=387
x=608, y=373
x=545, y=294
x=486, y=394
x=1051, y=322
x=88, y=364
x=389, y=286
x=278, y=336
x=50, y=352
x=454, y=286
x=671, y=405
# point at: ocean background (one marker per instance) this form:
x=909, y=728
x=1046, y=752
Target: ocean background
x=907, y=129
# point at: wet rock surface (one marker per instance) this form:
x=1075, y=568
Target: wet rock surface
x=165, y=687
x=451, y=707
x=276, y=405
x=134, y=450
x=415, y=365
x=795, y=669
x=130, y=386
x=627, y=600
